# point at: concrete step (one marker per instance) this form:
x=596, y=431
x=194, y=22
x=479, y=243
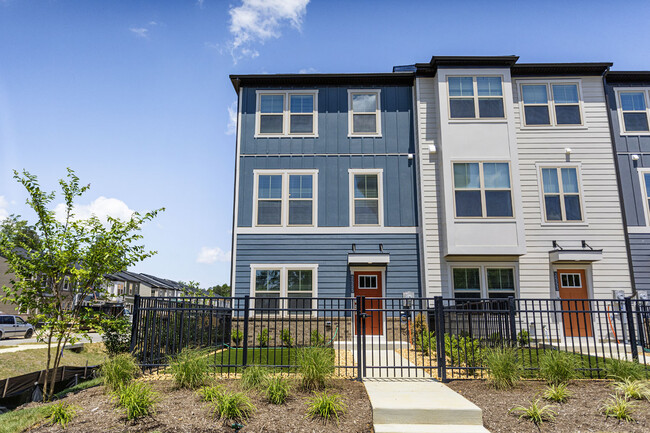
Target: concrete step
x=429, y=428
x=420, y=402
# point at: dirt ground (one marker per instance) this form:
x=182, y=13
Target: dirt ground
x=183, y=411
x=580, y=414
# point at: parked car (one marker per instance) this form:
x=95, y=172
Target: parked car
x=15, y=326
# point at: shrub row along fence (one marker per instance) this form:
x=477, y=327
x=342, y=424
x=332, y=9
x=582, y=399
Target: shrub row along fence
x=391, y=337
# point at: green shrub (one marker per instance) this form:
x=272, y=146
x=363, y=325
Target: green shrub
x=504, y=368
x=326, y=406
x=316, y=365
x=254, y=376
x=523, y=338
x=316, y=338
x=116, y=335
x=634, y=389
x=464, y=350
x=620, y=370
x=425, y=341
x=557, y=393
x=235, y=406
x=618, y=407
x=420, y=324
x=137, y=400
x=210, y=393
x=286, y=338
x=495, y=339
x=61, y=413
x=557, y=367
x=236, y=336
x=190, y=368
x=535, y=412
x=263, y=338
x=118, y=371
x=277, y=390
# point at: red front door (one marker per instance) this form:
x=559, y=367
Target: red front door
x=575, y=313
x=369, y=284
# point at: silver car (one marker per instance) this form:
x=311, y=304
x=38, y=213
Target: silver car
x=15, y=326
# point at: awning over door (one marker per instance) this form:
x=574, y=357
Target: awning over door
x=368, y=259
x=575, y=255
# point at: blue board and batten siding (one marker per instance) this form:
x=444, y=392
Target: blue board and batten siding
x=632, y=191
x=333, y=153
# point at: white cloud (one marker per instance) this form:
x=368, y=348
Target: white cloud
x=4, y=204
x=231, y=128
x=101, y=208
x=140, y=32
x=199, y=3
x=256, y=21
x=209, y=255
x=307, y=71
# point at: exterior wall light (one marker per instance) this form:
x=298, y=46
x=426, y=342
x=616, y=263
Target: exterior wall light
x=635, y=157
x=432, y=148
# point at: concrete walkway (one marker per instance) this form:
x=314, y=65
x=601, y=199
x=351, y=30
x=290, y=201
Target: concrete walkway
x=32, y=343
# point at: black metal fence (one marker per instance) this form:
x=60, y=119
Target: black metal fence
x=391, y=337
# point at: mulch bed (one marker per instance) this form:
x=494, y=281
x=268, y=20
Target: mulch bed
x=183, y=411
x=580, y=414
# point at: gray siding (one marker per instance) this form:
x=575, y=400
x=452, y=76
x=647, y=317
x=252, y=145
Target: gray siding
x=330, y=252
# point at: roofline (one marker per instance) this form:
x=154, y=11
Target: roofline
x=258, y=80
x=592, y=68
x=627, y=76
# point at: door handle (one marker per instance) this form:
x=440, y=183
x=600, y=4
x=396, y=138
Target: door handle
x=365, y=315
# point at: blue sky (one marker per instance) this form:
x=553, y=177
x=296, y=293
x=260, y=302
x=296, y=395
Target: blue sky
x=135, y=95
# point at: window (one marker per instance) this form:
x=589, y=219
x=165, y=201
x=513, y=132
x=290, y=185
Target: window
x=571, y=280
x=644, y=174
x=482, y=190
x=287, y=287
x=548, y=104
x=287, y=113
x=20, y=321
x=471, y=95
x=367, y=281
x=285, y=198
x=634, y=111
x=363, y=113
x=494, y=281
x=561, y=191
x=366, y=192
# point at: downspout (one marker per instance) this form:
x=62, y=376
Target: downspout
x=620, y=186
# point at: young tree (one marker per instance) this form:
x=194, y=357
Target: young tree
x=220, y=290
x=56, y=271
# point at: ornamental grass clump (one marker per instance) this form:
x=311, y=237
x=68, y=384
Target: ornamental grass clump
x=190, y=369
x=316, y=365
x=619, y=369
x=137, y=400
x=210, y=393
x=557, y=393
x=504, y=368
x=254, y=377
x=617, y=406
x=118, y=371
x=557, y=367
x=326, y=406
x=277, y=390
x=234, y=406
x=535, y=412
x=61, y=413
x=633, y=389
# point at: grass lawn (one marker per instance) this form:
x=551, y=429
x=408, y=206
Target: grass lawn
x=27, y=361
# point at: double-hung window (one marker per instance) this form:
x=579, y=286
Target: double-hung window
x=549, y=104
x=644, y=174
x=482, y=190
x=363, y=113
x=634, y=111
x=474, y=281
x=366, y=207
x=471, y=95
x=287, y=113
x=289, y=287
x=561, y=192
x=285, y=198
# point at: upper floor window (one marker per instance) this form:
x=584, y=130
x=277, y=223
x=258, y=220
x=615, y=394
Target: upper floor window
x=471, y=95
x=634, y=111
x=561, y=191
x=482, y=190
x=363, y=114
x=366, y=208
x=287, y=113
x=548, y=104
x=285, y=198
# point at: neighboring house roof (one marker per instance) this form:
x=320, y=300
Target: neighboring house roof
x=150, y=280
x=627, y=76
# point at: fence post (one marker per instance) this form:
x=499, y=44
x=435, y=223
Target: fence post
x=135, y=323
x=439, y=313
x=631, y=330
x=512, y=310
x=247, y=307
x=357, y=328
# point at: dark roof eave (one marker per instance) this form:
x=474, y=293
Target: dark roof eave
x=273, y=80
x=548, y=69
x=627, y=76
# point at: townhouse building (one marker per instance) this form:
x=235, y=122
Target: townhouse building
x=325, y=188
x=628, y=95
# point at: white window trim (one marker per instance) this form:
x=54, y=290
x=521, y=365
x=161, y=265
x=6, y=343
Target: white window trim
x=482, y=190
x=551, y=103
x=483, y=267
x=351, y=133
x=284, y=218
x=380, y=193
x=476, y=98
x=286, y=113
x=619, y=109
x=542, y=204
x=646, y=211
x=284, y=269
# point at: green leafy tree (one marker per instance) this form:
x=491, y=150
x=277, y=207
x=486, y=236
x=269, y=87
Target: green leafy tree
x=56, y=275
x=222, y=290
